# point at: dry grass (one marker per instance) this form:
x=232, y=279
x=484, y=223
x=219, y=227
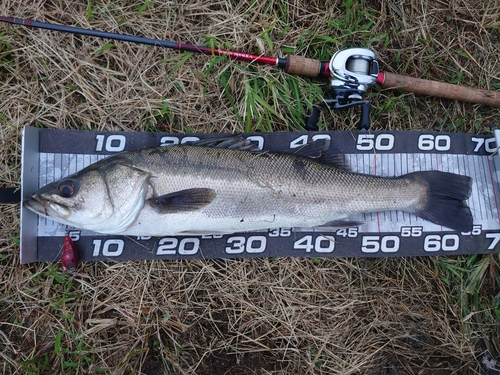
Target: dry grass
x=253, y=316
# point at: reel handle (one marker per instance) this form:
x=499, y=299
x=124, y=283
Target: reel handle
x=439, y=89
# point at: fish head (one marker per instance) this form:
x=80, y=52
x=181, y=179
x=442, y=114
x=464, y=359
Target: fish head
x=104, y=197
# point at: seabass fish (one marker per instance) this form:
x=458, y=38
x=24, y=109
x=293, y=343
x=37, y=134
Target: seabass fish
x=182, y=189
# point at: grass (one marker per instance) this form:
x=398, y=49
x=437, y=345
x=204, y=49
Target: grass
x=253, y=316
x=473, y=286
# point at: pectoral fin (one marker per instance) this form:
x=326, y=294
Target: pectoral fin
x=183, y=200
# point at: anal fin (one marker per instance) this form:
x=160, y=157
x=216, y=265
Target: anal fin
x=341, y=224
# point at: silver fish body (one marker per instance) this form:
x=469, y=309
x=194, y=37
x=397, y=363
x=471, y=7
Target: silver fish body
x=181, y=190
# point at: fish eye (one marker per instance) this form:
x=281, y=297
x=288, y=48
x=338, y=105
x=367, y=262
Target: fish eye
x=67, y=188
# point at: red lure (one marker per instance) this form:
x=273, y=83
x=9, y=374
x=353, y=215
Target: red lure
x=69, y=256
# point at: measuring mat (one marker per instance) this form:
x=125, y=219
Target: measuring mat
x=51, y=154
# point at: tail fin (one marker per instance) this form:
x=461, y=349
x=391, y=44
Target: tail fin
x=446, y=194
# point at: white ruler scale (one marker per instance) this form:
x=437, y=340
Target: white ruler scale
x=50, y=154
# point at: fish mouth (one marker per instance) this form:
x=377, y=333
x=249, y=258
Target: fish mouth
x=47, y=208
x=36, y=204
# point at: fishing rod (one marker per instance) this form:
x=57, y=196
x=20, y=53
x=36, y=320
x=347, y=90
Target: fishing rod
x=291, y=64
x=351, y=71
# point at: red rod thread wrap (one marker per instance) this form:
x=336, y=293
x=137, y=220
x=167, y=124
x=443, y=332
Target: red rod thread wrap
x=234, y=55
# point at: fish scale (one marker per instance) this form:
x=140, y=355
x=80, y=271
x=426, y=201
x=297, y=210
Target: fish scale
x=199, y=190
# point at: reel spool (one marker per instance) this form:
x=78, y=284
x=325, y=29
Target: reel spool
x=352, y=71
x=354, y=67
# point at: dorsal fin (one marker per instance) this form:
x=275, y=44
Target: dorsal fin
x=314, y=149
x=233, y=143
x=337, y=160
x=317, y=149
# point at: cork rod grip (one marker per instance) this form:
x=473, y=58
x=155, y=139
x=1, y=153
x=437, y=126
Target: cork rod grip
x=440, y=89
x=303, y=66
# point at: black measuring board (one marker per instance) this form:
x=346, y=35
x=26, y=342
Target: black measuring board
x=383, y=153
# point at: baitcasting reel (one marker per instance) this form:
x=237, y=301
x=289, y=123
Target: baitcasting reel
x=352, y=71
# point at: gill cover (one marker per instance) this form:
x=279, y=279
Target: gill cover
x=127, y=188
